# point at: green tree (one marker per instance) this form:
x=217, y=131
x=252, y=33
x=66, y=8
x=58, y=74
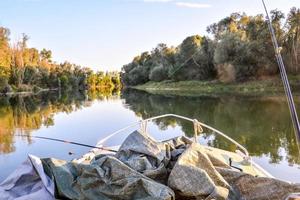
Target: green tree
x=46, y=55
x=31, y=57
x=234, y=58
x=292, y=41
x=158, y=73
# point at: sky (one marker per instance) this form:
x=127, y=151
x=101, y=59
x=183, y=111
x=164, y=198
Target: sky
x=106, y=34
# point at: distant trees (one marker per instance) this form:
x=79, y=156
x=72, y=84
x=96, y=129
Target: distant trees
x=46, y=55
x=158, y=73
x=101, y=80
x=26, y=69
x=5, y=54
x=292, y=39
x=240, y=49
x=192, y=60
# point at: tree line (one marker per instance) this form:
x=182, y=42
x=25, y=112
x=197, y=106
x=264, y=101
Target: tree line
x=27, y=69
x=237, y=48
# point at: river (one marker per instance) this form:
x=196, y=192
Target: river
x=261, y=124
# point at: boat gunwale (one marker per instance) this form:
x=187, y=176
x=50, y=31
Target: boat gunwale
x=143, y=126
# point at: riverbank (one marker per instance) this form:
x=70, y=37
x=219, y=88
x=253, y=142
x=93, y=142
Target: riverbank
x=269, y=86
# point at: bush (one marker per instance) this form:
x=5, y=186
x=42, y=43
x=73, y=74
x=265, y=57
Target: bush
x=158, y=74
x=3, y=82
x=226, y=73
x=30, y=75
x=4, y=86
x=235, y=59
x=24, y=88
x=138, y=75
x=64, y=81
x=7, y=89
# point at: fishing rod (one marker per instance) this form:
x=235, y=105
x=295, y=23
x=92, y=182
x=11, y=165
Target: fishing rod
x=283, y=75
x=67, y=141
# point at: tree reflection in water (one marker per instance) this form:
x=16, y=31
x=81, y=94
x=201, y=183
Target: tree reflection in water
x=24, y=114
x=261, y=124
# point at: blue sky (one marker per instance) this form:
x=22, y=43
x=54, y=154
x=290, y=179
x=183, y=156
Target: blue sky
x=105, y=34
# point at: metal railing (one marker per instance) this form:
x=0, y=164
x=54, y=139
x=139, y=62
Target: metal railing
x=143, y=126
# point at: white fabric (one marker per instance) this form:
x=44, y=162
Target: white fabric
x=29, y=181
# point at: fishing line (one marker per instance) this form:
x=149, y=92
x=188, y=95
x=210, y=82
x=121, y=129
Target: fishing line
x=284, y=78
x=66, y=141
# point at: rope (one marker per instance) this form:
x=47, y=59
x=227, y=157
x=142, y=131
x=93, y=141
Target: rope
x=197, y=129
x=144, y=127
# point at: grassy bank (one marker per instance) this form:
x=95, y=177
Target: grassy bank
x=269, y=86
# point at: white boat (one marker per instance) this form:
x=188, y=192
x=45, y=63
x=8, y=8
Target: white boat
x=239, y=159
x=143, y=168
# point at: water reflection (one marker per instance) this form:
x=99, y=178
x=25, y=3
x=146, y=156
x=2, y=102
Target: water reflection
x=21, y=115
x=262, y=125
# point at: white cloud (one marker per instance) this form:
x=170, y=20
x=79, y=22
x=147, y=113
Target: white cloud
x=181, y=3
x=159, y=1
x=192, y=5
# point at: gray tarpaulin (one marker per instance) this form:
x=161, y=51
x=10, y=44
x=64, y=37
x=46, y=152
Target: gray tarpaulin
x=195, y=176
x=29, y=181
x=142, y=169
x=104, y=178
x=258, y=188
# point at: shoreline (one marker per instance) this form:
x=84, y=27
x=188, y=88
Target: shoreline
x=267, y=87
x=28, y=92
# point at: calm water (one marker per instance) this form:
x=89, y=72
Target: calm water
x=262, y=125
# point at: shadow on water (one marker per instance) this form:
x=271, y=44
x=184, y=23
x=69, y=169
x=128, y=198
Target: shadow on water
x=261, y=124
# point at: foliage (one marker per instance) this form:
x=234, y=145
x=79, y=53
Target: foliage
x=27, y=69
x=292, y=40
x=240, y=49
x=234, y=58
x=5, y=54
x=158, y=73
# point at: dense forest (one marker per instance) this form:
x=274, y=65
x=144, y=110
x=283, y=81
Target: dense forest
x=27, y=69
x=237, y=48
